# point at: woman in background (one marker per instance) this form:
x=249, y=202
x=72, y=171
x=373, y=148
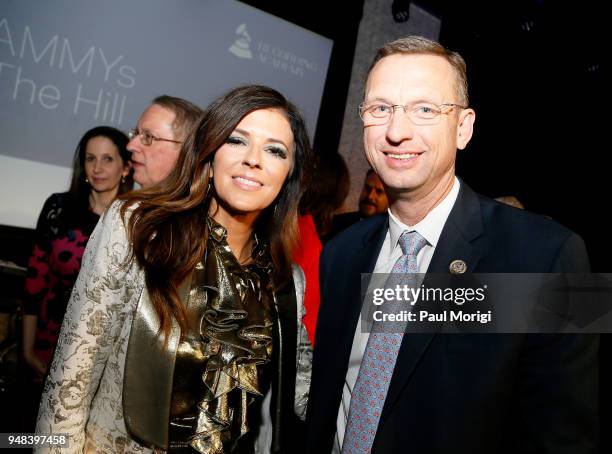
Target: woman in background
x=100, y=172
x=317, y=207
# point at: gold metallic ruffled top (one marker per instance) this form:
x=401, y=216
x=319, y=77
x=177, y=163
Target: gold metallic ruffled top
x=219, y=369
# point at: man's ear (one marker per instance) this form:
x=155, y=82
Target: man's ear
x=465, y=127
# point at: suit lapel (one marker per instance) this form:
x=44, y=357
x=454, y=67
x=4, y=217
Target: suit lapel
x=346, y=307
x=340, y=309
x=463, y=225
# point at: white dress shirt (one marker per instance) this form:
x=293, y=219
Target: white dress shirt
x=430, y=228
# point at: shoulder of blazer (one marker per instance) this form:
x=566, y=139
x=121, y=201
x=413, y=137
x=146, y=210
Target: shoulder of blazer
x=529, y=242
x=502, y=220
x=357, y=236
x=516, y=222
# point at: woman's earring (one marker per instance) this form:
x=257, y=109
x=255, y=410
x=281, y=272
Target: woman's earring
x=123, y=179
x=86, y=180
x=208, y=188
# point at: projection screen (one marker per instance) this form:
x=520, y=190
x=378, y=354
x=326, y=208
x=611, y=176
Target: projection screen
x=69, y=65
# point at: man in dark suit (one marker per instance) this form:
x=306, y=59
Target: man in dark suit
x=457, y=393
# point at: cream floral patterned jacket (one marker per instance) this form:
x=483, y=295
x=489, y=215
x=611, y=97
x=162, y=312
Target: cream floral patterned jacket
x=83, y=393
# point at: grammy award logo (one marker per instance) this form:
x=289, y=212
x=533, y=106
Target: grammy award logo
x=241, y=47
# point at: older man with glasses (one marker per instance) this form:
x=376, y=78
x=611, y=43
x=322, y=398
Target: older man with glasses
x=156, y=142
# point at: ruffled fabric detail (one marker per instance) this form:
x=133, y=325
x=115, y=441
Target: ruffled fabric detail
x=235, y=332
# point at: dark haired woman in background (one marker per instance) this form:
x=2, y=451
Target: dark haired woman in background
x=184, y=330
x=329, y=187
x=100, y=172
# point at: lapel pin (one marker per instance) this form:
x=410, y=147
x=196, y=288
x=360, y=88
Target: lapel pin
x=457, y=267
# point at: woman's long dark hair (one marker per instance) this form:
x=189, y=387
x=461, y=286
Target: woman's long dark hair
x=167, y=226
x=321, y=200
x=79, y=191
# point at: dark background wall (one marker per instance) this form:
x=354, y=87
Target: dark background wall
x=536, y=73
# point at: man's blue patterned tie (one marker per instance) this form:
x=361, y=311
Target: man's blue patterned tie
x=370, y=391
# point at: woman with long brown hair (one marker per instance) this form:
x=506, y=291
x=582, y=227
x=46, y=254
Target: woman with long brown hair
x=183, y=332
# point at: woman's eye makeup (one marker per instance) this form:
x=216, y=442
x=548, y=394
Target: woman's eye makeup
x=278, y=151
x=274, y=150
x=235, y=140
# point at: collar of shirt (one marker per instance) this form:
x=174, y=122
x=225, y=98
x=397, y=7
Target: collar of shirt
x=430, y=227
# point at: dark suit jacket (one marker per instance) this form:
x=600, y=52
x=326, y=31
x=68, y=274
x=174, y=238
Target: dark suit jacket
x=463, y=393
x=341, y=222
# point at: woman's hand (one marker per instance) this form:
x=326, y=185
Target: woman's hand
x=29, y=333
x=35, y=363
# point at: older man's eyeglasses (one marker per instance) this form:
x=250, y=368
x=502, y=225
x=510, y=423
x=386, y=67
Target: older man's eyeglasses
x=147, y=138
x=419, y=113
